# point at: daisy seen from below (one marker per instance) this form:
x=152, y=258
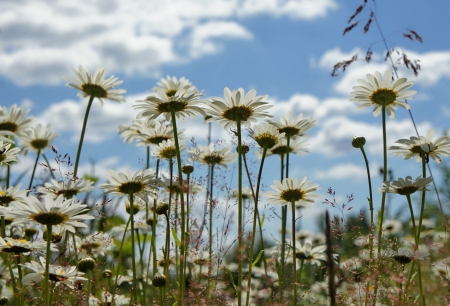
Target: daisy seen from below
x=96, y=86
x=210, y=156
x=405, y=255
x=60, y=275
x=167, y=149
x=12, y=194
x=424, y=145
x=148, y=133
x=293, y=128
x=37, y=139
x=378, y=91
x=107, y=298
x=13, y=121
x=266, y=135
x=22, y=246
x=8, y=154
x=170, y=85
x=296, y=146
x=64, y=213
x=237, y=105
x=406, y=186
x=68, y=188
x=315, y=255
x=185, y=102
x=292, y=190
x=141, y=184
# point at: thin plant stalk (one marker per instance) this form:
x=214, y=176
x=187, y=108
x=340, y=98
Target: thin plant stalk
x=120, y=251
x=20, y=286
x=48, y=165
x=240, y=240
x=283, y=236
x=38, y=153
x=211, y=205
x=133, y=259
x=83, y=130
x=422, y=206
x=47, y=265
x=88, y=292
x=293, y=251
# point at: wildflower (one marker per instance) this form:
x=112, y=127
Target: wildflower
x=94, y=245
x=237, y=105
x=392, y=227
x=37, y=139
x=296, y=146
x=159, y=280
x=148, y=133
x=183, y=102
x=406, y=186
x=138, y=205
x=405, y=255
x=266, y=135
x=418, y=146
x=378, y=91
x=209, y=156
x=175, y=186
x=167, y=149
x=67, y=189
x=358, y=142
x=7, y=154
x=314, y=255
x=60, y=275
x=13, y=122
x=107, y=298
x=12, y=194
x=141, y=184
x=293, y=128
x=22, y=246
x=53, y=212
x=86, y=264
x=96, y=86
x=170, y=85
x=292, y=190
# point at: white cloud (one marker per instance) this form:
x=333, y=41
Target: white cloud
x=435, y=66
x=348, y=171
x=41, y=39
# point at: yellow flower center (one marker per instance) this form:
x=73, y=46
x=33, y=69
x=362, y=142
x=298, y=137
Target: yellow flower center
x=292, y=195
x=281, y=150
x=94, y=90
x=168, y=153
x=39, y=144
x=168, y=107
x=266, y=140
x=290, y=131
x=131, y=187
x=383, y=96
x=8, y=126
x=53, y=218
x=212, y=159
x=242, y=112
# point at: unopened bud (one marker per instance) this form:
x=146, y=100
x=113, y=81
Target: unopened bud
x=358, y=142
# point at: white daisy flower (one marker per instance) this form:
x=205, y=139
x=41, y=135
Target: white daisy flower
x=13, y=122
x=7, y=154
x=392, y=227
x=37, y=139
x=378, y=91
x=405, y=255
x=210, y=156
x=57, y=211
x=23, y=246
x=293, y=128
x=58, y=274
x=417, y=146
x=193, y=187
x=312, y=255
x=107, y=298
x=248, y=108
x=296, y=146
x=406, y=186
x=266, y=135
x=96, y=86
x=93, y=245
x=184, y=102
x=68, y=188
x=167, y=149
x=138, y=205
x=292, y=190
x=141, y=184
x=171, y=85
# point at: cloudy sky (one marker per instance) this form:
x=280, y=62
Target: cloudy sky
x=283, y=48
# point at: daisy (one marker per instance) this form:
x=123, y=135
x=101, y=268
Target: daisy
x=118, y=231
x=154, y=135
x=314, y=255
x=57, y=211
x=292, y=190
x=236, y=105
x=13, y=122
x=378, y=91
x=296, y=146
x=406, y=186
x=37, y=139
x=184, y=102
x=210, y=156
x=96, y=86
x=192, y=186
x=392, y=227
x=22, y=246
x=7, y=154
x=109, y=299
x=92, y=245
x=167, y=149
x=58, y=274
x=266, y=135
x=405, y=255
x=171, y=85
x=68, y=188
x=417, y=146
x=138, y=205
x=293, y=128
x=141, y=184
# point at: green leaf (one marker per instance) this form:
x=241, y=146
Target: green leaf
x=232, y=280
x=175, y=236
x=257, y=258
x=262, y=219
x=416, y=298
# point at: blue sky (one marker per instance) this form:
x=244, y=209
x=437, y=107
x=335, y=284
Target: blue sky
x=285, y=49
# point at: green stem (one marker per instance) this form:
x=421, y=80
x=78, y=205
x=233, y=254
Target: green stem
x=211, y=206
x=38, y=153
x=133, y=259
x=422, y=206
x=240, y=240
x=48, y=165
x=89, y=277
x=283, y=237
x=120, y=252
x=19, y=270
x=83, y=130
x=293, y=251
x=8, y=174
x=47, y=264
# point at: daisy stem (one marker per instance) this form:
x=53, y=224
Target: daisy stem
x=135, y=287
x=422, y=206
x=8, y=172
x=255, y=213
x=83, y=130
x=187, y=219
x=408, y=279
x=183, y=217
x=147, y=164
x=38, y=153
x=408, y=197
x=155, y=218
x=383, y=197
x=120, y=252
x=211, y=205
x=240, y=241
x=283, y=237
x=48, y=165
x=47, y=264
x=75, y=253
x=19, y=272
x=371, y=218
x=294, y=259
x=88, y=292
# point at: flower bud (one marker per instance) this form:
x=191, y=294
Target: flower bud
x=162, y=208
x=187, y=169
x=358, y=142
x=86, y=264
x=159, y=280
